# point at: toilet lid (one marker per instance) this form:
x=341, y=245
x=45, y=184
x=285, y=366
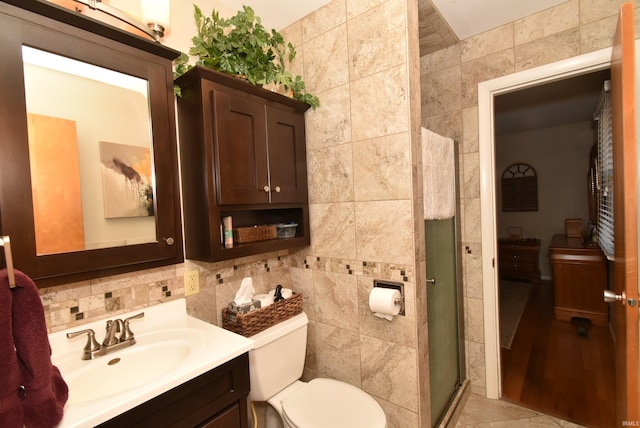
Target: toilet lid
x=326, y=403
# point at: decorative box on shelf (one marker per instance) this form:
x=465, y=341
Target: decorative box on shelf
x=261, y=319
x=254, y=233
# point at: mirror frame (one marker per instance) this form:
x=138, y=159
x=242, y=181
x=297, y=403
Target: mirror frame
x=49, y=27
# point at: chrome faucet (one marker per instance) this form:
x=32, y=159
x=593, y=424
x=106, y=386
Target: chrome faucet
x=111, y=343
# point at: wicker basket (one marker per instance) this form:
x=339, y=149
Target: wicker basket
x=254, y=233
x=261, y=319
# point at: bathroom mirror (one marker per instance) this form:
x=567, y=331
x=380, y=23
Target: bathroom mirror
x=88, y=163
x=90, y=154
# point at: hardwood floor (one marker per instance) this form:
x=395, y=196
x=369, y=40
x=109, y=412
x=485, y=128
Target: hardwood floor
x=553, y=370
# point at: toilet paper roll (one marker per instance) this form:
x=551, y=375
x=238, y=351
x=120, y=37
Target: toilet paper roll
x=265, y=299
x=385, y=302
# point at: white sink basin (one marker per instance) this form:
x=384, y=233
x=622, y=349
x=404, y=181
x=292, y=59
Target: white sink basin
x=154, y=355
x=172, y=348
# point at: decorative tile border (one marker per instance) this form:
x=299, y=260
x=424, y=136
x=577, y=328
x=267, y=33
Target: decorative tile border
x=390, y=271
x=74, y=304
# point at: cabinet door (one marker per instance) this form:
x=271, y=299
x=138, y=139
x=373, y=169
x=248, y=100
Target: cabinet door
x=241, y=150
x=287, y=156
x=227, y=419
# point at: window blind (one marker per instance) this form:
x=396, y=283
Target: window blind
x=604, y=173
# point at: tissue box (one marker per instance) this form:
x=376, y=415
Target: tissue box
x=245, y=308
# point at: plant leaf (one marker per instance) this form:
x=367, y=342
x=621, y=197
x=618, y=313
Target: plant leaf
x=241, y=45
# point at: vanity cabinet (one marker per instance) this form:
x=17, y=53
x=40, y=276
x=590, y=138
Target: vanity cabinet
x=579, y=279
x=216, y=399
x=243, y=155
x=519, y=259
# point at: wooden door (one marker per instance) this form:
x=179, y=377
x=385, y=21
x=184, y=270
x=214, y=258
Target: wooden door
x=241, y=150
x=287, y=156
x=625, y=271
x=55, y=184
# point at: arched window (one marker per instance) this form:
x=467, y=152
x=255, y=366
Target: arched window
x=519, y=188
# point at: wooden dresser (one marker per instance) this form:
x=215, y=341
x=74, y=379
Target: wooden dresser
x=519, y=259
x=579, y=278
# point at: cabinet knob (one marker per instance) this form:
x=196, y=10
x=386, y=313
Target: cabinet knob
x=266, y=189
x=277, y=189
x=169, y=241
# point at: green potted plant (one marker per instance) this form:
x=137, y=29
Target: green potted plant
x=241, y=46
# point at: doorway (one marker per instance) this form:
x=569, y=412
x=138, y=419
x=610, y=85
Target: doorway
x=547, y=365
x=487, y=91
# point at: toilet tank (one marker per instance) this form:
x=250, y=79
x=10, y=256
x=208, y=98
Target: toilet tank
x=277, y=358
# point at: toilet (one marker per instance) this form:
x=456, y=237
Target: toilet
x=276, y=363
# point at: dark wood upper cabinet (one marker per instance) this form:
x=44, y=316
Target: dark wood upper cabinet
x=112, y=242
x=243, y=154
x=260, y=151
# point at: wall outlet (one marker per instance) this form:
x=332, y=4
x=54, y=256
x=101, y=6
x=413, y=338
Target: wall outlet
x=191, y=282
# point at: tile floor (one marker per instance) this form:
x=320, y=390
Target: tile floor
x=481, y=412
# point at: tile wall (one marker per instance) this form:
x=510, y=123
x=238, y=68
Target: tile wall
x=361, y=58
x=74, y=304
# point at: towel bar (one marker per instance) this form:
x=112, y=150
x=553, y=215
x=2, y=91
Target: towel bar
x=5, y=242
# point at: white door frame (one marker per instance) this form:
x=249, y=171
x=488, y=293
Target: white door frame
x=582, y=64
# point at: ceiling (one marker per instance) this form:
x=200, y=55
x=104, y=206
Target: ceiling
x=563, y=102
x=471, y=17
x=444, y=23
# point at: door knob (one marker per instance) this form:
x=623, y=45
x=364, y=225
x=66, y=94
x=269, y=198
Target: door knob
x=611, y=296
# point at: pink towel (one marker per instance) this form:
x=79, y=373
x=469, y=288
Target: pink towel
x=10, y=404
x=45, y=392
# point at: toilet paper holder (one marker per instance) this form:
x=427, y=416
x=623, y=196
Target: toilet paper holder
x=395, y=286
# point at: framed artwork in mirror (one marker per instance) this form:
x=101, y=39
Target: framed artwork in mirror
x=126, y=181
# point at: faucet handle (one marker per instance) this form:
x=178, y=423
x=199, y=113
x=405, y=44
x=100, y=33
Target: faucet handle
x=127, y=334
x=134, y=317
x=92, y=344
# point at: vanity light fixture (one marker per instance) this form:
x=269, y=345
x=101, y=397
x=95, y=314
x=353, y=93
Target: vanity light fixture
x=155, y=15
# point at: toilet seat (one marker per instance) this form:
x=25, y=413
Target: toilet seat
x=327, y=403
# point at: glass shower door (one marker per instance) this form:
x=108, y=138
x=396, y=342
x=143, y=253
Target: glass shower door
x=442, y=303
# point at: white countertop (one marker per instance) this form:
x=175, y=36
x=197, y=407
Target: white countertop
x=219, y=347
